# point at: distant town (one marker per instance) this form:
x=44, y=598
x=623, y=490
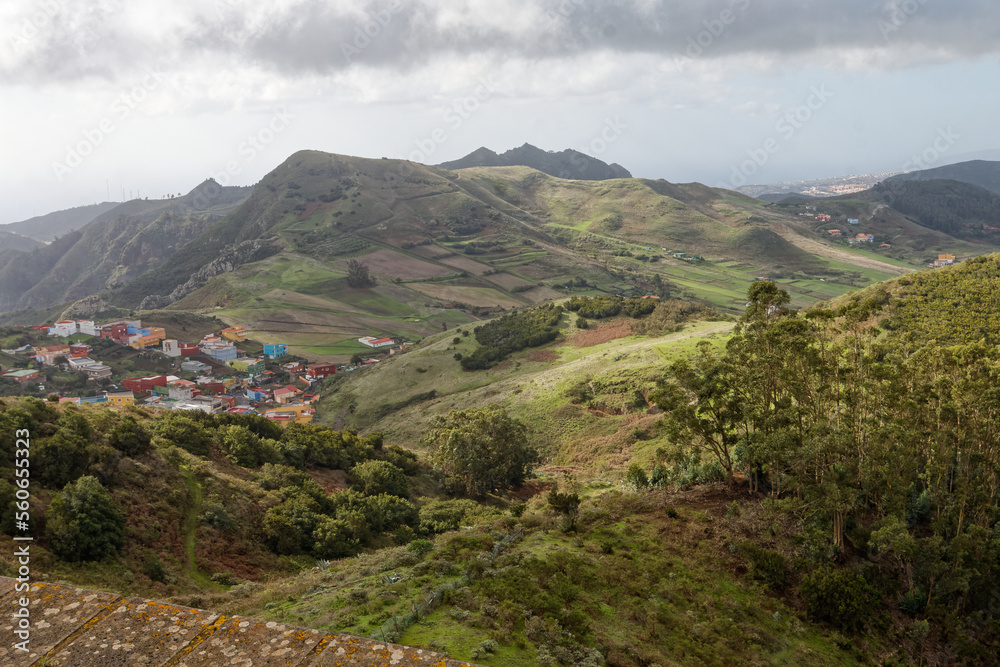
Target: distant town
x=223, y=372
x=823, y=187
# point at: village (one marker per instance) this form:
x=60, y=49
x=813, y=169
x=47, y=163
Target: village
x=217, y=374
x=943, y=259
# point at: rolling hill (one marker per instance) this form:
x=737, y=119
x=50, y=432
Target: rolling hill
x=118, y=245
x=448, y=248
x=45, y=228
x=15, y=241
x=445, y=244
x=984, y=173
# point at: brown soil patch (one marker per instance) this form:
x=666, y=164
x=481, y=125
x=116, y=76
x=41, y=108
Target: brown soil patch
x=397, y=265
x=543, y=355
x=532, y=488
x=331, y=480
x=463, y=263
x=602, y=333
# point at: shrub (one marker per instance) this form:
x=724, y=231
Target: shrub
x=636, y=477
x=840, y=597
x=83, y=523
x=129, y=437
x=374, y=477
x=914, y=602
x=420, y=547
x=767, y=566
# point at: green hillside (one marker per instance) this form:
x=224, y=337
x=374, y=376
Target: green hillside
x=117, y=246
x=858, y=524
x=984, y=173
x=443, y=245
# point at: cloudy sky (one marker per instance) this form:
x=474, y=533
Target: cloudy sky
x=150, y=97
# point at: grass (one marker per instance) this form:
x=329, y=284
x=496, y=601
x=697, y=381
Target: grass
x=532, y=384
x=631, y=582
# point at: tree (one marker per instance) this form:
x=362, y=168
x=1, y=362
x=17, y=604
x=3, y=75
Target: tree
x=358, y=274
x=374, y=477
x=484, y=447
x=356, y=359
x=84, y=523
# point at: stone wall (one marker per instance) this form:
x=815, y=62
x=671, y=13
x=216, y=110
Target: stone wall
x=71, y=627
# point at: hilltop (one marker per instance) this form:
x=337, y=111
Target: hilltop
x=983, y=173
x=49, y=227
x=569, y=164
x=119, y=244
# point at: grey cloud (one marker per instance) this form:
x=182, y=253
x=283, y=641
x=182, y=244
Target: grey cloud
x=316, y=37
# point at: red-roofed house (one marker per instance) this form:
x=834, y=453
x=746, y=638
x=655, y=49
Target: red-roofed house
x=283, y=395
x=144, y=385
x=80, y=350
x=320, y=371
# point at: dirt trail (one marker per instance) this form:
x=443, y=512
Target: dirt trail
x=823, y=250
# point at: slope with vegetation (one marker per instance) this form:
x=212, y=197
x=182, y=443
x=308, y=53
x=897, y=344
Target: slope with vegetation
x=440, y=245
x=118, y=245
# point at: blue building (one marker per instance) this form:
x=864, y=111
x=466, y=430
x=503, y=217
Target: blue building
x=275, y=350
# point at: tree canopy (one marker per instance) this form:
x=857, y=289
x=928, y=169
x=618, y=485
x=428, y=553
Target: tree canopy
x=485, y=448
x=83, y=522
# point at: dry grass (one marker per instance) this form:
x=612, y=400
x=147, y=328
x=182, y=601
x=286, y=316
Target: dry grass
x=602, y=333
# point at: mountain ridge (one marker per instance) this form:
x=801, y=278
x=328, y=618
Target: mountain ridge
x=569, y=163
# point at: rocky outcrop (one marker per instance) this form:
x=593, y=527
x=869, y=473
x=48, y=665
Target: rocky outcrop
x=231, y=258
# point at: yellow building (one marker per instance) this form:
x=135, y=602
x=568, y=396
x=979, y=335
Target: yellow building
x=237, y=334
x=121, y=398
x=300, y=413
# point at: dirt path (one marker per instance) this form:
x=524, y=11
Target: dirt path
x=823, y=250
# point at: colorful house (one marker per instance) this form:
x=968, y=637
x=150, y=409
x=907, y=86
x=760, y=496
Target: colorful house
x=148, y=337
x=24, y=375
x=257, y=394
x=275, y=350
x=173, y=348
x=321, y=371
x=80, y=350
x=286, y=394
x=121, y=398
x=237, y=334
x=47, y=355
x=144, y=385
x=300, y=413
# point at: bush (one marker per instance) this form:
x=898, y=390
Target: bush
x=83, y=523
x=183, y=431
x=913, y=602
x=636, y=477
x=129, y=437
x=437, y=516
x=375, y=477
x=420, y=547
x=767, y=566
x=840, y=597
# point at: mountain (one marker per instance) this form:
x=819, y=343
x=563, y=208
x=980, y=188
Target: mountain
x=569, y=164
x=120, y=244
x=961, y=210
x=47, y=227
x=14, y=241
x=445, y=245
x=445, y=248
x=984, y=173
